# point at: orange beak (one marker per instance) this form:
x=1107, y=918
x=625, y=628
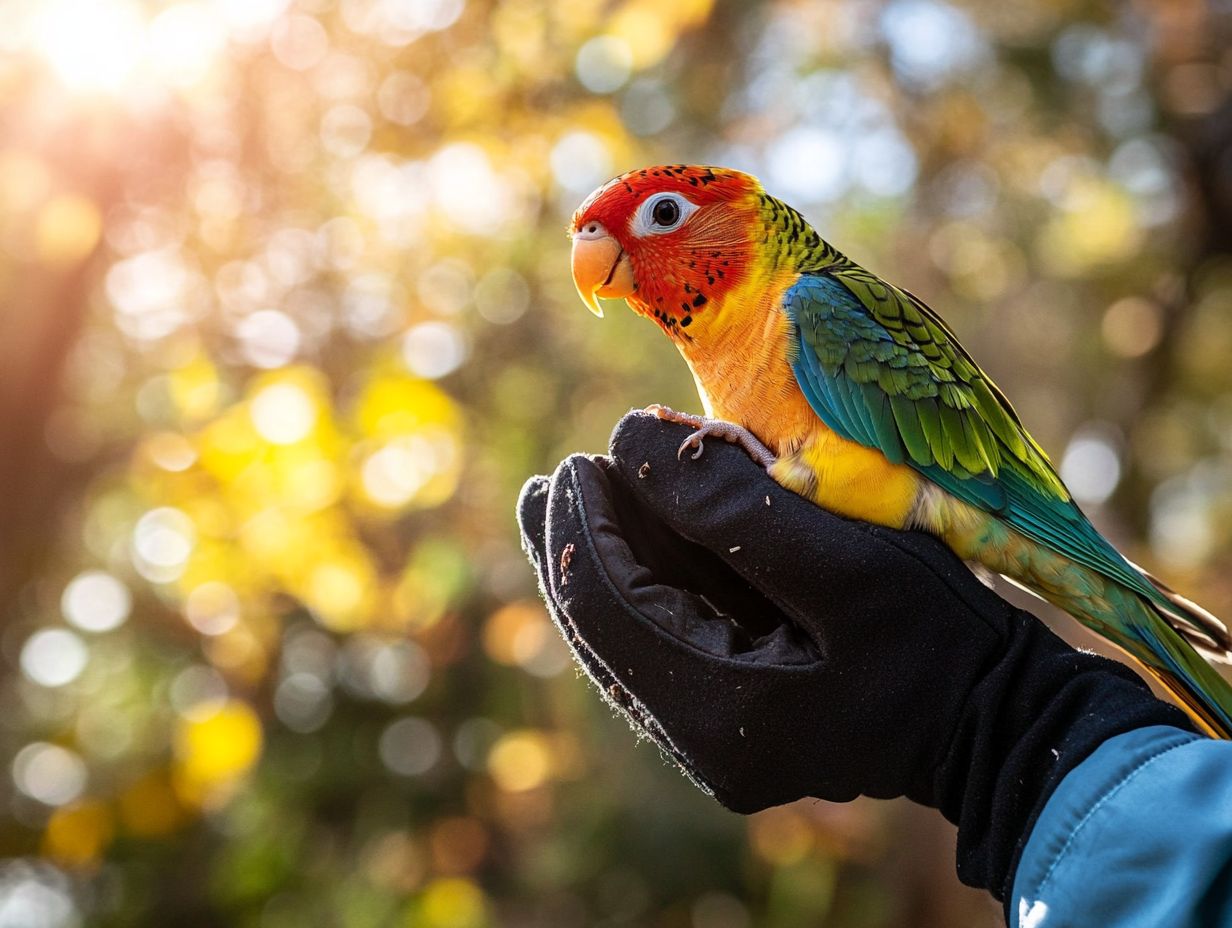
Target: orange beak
x=600, y=267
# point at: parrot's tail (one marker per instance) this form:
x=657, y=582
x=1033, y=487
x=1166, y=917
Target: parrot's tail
x=1199, y=688
x=1208, y=634
x=1165, y=634
x=1160, y=629
x=1161, y=641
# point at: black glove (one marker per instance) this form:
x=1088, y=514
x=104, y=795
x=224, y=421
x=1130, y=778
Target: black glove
x=777, y=651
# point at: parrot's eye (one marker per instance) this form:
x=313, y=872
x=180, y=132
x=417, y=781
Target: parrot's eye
x=663, y=212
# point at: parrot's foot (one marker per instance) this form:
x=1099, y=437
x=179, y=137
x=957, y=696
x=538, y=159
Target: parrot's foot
x=717, y=428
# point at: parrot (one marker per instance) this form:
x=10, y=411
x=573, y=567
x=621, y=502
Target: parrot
x=855, y=394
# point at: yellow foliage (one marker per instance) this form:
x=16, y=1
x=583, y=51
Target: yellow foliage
x=149, y=807
x=433, y=576
x=394, y=404
x=239, y=652
x=466, y=95
x=450, y=903
x=227, y=444
x=521, y=34
x=651, y=29
x=77, y=834
x=600, y=118
x=1098, y=226
x=521, y=760
x=339, y=589
x=195, y=388
x=215, y=751
x=515, y=633
x=411, y=453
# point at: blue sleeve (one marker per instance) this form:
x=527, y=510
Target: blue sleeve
x=1140, y=833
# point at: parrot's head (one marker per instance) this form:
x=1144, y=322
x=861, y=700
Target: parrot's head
x=670, y=240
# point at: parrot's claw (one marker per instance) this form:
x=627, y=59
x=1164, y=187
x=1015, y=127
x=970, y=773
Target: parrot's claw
x=694, y=439
x=706, y=428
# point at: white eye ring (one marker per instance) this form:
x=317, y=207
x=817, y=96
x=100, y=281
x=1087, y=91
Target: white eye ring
x=646, y=222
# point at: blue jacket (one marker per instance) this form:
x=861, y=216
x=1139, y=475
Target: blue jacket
x=1138, y=834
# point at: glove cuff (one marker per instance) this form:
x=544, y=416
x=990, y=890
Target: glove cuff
x=1042, y=709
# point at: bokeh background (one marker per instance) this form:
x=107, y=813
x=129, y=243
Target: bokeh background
x=286, y=320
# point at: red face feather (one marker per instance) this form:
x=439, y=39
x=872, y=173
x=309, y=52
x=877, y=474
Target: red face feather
x=679, y=269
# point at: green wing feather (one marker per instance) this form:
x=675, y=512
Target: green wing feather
x=981, y=424
x=942, y=415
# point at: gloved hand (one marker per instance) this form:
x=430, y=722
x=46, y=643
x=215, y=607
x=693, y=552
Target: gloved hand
x=777, y=651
